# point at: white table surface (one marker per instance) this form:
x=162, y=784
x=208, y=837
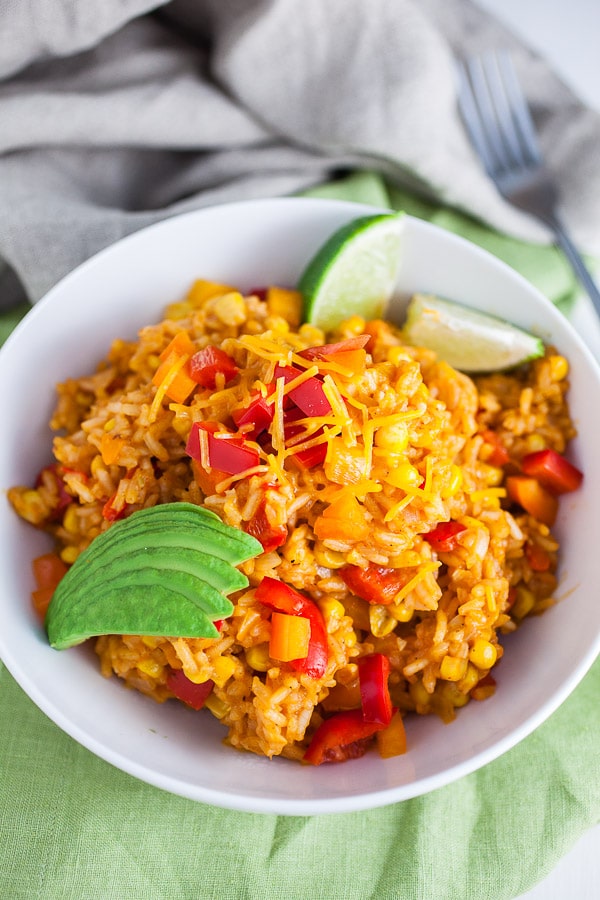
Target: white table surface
x=567, y=34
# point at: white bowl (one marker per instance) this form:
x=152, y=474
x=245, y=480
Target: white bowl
x=247, y=244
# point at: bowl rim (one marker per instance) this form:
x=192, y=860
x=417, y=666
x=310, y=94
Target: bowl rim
x=299, y=806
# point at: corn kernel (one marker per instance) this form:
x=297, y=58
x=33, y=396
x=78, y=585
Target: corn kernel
x=419, y=694
x=218, y=707
x=330, y=559
x=70, y=519
x=559, y=367
x=223, y=669
x=483, y=654
x=97, y=465
x=392, y=437
x=381, y=621
x=451, y=691
x=401, y=612
x=470, y=679
x=109, y=424
x=350, y=639
x=535, y=442
x=454, y=483
x=200, y=676
x=69, y=555
x=354, y=325
x=397, y=355
x=150, y=641
x=230, y=308
x=405, y=476
x=452, y=668
x=258, y=657
x=150, y=667
x=332, y=610
x=524, y=603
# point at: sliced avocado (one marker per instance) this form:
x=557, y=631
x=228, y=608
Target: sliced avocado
x=148, y=609
x=126, y=558
x=146, y=575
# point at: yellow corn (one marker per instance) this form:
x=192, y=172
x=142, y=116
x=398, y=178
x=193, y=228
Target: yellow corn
x=405, y=476
x=109, y=424
x=419, y=695
x=258, y=657
x=400, y=612
x=470, y=679
x=330, y=559
x=350, y=639
x=230, y=308
x=332, y=610
x=452, y=668
x=454, y=484
x=71, y=520
x=150, y=667
x=452, y=692
x=223, y=669
x=559, y=367
x=524, y=603
x=535, y=442
x=392, y=437
x=217, y=706
x=381, y=620
x=483, y=654
x=69, y=555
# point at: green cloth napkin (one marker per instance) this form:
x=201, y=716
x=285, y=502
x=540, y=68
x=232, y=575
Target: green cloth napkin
x=73, y=827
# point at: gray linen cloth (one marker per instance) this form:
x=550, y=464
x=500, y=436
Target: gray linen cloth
x=117, y=113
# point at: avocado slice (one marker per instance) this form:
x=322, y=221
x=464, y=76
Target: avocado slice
x=146, y=575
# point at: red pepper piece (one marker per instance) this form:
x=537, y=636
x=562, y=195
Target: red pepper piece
x=270, y=536
x=552, y=470
x=312, y=456
x=281, y=597
x=498, y=455
x=443, y=537
x=229, y=452
x=375, y=584
x=373, y=673
x=308, y=396
x=206, y=364
x=187, y=691
x=326, y=350
x=537, y=557
x=344, y=736
x=258, y=414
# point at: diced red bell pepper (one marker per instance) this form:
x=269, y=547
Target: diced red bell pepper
x=327, y=350
x=309, y=396
x=375, y=584
x=373, y=673
x=270, y=536
x=346, y=735
x=259, y=414
x=229, y=453
x=206, y=364
x=281, y=597
x=194, y=695
x=552, y=470
x=443, y=537
x=498, y=454
x=311, y=456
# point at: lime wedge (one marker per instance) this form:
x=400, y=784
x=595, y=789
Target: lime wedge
x=354, y=272
x=467, y=339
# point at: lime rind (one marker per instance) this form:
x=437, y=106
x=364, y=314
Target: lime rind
x=468, y=339
x=354, y=272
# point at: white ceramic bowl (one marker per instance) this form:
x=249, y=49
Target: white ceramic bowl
x=127, y=286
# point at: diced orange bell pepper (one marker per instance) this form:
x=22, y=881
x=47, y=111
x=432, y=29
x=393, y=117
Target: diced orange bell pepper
x=176, y=355
x=110, y=448
x=392, y=740
x=344, y=465
x=344, y=519
x=202, y=290
x=285, y=303
x=290, y=637
x=48, y=570
x=534, y=499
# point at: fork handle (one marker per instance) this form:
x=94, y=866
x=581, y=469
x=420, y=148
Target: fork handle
x=577, y=263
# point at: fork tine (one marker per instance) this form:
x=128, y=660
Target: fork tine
x=519, y=109
x=477, y=109
x=494, y=70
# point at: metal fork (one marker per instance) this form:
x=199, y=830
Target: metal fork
x=502, y=132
